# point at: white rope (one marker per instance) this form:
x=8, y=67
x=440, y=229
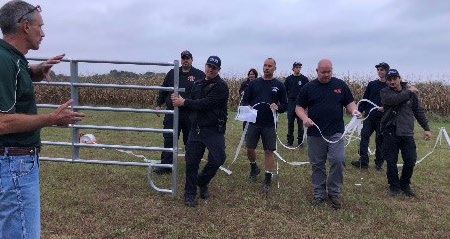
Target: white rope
x=442, y=132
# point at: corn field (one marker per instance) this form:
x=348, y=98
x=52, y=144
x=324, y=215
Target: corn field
x=435, y=96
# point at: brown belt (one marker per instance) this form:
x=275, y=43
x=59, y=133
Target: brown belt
x=15, y=151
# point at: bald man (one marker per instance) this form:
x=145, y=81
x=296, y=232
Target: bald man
x=267, y=94
x=325, y=98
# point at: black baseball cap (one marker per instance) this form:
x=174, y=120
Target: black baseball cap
x=214, y=61
x=296, y=64
x=391, y=73
x=186, y=54
x=383, y=65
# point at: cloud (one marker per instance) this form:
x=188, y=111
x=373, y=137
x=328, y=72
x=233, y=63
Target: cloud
x=412, y=35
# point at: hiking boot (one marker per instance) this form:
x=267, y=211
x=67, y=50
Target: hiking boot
x=336, y=202
x=161, y=170
x=190, y=201
x=317, y=200
x=204, y=192
x=360, y=165
x=394, y=192
x=409, y=192
x=254, y=171
x=267, y=182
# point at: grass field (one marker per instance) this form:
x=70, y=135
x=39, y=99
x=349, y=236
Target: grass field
x=98, y=201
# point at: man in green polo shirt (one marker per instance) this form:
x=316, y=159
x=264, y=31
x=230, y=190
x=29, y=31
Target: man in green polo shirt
x=21, y=25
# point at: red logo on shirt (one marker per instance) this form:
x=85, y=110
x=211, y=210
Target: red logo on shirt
x=337, y=91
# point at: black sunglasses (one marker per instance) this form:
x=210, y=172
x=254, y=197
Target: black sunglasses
x=37, y=8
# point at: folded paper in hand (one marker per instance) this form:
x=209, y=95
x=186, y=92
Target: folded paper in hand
x=246, y=113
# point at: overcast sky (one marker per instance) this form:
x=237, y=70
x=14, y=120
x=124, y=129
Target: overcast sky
x=411, y=35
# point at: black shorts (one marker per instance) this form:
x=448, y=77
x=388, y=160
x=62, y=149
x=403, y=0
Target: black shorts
x=267, y=134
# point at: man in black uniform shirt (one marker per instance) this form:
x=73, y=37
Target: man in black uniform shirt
x=372, y=123
x=208, y=114
x=188, y=74
x=293, y=84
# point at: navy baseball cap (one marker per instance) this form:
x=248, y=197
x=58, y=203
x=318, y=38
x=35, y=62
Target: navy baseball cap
x=186, y=54
x=391, y=73
x=214, y=61
x=383, y=65
x=296, y=64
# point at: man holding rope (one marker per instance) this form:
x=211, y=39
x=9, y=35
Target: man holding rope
x=266, y=94
x=324, y=98
x=372, y=123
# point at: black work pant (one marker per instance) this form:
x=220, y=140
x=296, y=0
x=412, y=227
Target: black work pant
x=371, y=125
x=391, y=146
x=292, y=116
x=215, y=143
x=183, y=125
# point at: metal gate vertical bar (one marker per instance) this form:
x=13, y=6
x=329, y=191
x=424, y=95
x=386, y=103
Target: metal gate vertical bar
x=74, y=95
x=175, y=125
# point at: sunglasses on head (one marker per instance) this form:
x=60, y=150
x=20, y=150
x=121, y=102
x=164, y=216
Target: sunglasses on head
x=37, y=8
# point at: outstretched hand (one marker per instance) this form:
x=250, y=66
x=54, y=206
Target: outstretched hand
x=42, y=70
x=63, y=116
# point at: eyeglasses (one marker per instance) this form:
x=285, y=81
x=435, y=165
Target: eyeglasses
x=37, y=8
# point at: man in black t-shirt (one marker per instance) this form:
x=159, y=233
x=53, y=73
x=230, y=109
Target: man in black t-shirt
x=266, y=94
x=325, y=98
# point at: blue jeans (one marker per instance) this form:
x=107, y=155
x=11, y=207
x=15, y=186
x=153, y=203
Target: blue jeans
x=19, y=197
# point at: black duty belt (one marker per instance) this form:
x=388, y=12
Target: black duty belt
x=16, y=151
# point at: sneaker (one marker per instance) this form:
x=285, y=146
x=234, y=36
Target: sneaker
x=161, y=170
x=409, y=192
x=378, y=167
x=254, y=171
x=394, y=192
x=267, y=182
x=289, y=144
x=360, y=165
x=204, y=192
x=336, y=202
x=190, y=201
x=317, y=201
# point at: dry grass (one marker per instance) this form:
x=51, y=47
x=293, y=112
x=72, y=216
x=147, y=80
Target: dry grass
x=435, y=96
x=94, y=201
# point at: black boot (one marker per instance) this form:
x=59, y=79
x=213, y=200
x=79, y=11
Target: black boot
x=267, y=182
x=254, y=171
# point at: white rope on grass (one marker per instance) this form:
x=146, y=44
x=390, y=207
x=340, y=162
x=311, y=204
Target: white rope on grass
x=442, y=133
